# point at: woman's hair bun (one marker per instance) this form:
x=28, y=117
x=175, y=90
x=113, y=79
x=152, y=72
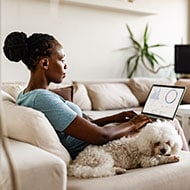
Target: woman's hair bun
x=15, y=46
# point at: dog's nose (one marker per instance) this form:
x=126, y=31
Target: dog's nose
x=163, y=151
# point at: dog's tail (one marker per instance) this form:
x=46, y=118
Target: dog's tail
x=97, y=163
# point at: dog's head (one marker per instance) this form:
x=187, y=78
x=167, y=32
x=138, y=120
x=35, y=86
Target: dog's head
x=159, y=138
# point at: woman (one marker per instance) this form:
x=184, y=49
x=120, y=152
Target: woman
x=45, y=58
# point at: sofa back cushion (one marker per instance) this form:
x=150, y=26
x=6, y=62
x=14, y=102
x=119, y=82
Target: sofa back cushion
x=186, y=83
x=63, y=89
x=107, y=96
x=31, y=126
x=140, y=86
x=80, y=96
x=13, y=88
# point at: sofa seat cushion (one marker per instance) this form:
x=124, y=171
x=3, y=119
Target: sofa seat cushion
x=31, y=126
x=107, y=96
x=35, y=168
x=173, y=176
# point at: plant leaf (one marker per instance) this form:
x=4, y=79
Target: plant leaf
x=129, y=30
x=145, y=37
x=159, y=57
x=150, y=60
x=157, y=45
x=134, y=67
x=130, y=59
x=136, y=44
x=125, y=48
x=153, y=58
x=142, y=52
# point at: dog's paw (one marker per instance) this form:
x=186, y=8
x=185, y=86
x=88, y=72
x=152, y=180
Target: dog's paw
x=174, y=158
x=149, y=162
x=119, y=171
x=168, y=159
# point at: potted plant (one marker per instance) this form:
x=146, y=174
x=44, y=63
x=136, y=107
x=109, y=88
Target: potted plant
x=143, y=54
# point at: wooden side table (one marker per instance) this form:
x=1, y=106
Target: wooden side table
x=183, y=116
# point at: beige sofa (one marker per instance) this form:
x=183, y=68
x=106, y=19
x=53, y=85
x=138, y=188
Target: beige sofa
x=40, y=160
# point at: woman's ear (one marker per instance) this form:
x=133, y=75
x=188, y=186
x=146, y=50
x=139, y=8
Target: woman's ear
x=44, y=63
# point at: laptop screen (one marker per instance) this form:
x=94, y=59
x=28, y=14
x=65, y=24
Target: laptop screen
x=163, y=101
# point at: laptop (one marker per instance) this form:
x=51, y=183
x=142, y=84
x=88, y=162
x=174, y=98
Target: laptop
x=163, y=101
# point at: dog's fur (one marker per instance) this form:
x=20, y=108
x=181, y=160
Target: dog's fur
x=157, y=143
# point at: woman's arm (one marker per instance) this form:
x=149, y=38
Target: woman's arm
x=85, y=130
x=63, y=118
x=116, y=118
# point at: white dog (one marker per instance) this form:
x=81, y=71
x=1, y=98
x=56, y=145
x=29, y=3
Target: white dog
x=157, y=143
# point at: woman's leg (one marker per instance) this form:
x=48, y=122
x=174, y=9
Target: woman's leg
x=179, y=129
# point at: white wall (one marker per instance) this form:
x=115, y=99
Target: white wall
x=91, y=37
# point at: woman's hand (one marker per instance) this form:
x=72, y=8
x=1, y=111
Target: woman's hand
x=116, y=118
x=140, y=121
x=124, y=116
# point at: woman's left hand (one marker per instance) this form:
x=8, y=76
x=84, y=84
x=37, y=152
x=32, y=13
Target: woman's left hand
x=124, y=116
x=116, y=118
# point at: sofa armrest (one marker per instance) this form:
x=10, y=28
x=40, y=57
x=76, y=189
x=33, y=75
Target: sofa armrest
x=35, y=168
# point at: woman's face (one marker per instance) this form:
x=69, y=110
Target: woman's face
x=57, y=67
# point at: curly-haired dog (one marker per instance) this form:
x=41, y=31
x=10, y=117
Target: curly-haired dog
x=157, y=143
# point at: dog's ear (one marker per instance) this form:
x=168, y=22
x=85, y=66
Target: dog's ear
x=175, y=141
x=145, y=142
x=176, y=147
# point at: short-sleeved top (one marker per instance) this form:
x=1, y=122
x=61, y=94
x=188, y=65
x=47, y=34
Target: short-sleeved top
x=58, y=111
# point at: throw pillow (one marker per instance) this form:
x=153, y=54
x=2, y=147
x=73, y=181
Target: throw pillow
x=65, y=92
x=107, y=96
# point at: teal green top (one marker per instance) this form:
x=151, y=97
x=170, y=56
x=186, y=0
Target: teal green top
x=59, y=112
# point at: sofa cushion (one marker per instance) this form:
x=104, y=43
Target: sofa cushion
x=36, y=169
x=65, y=92
x=141, y=86
x=7, y=97
x=106, y=96
x=63, y=89
x=13, y=88
x=186, y=83
x=80, y=96
x=31, y=126
x=173, y=176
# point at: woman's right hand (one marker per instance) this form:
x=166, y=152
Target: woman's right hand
x=140, y=121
